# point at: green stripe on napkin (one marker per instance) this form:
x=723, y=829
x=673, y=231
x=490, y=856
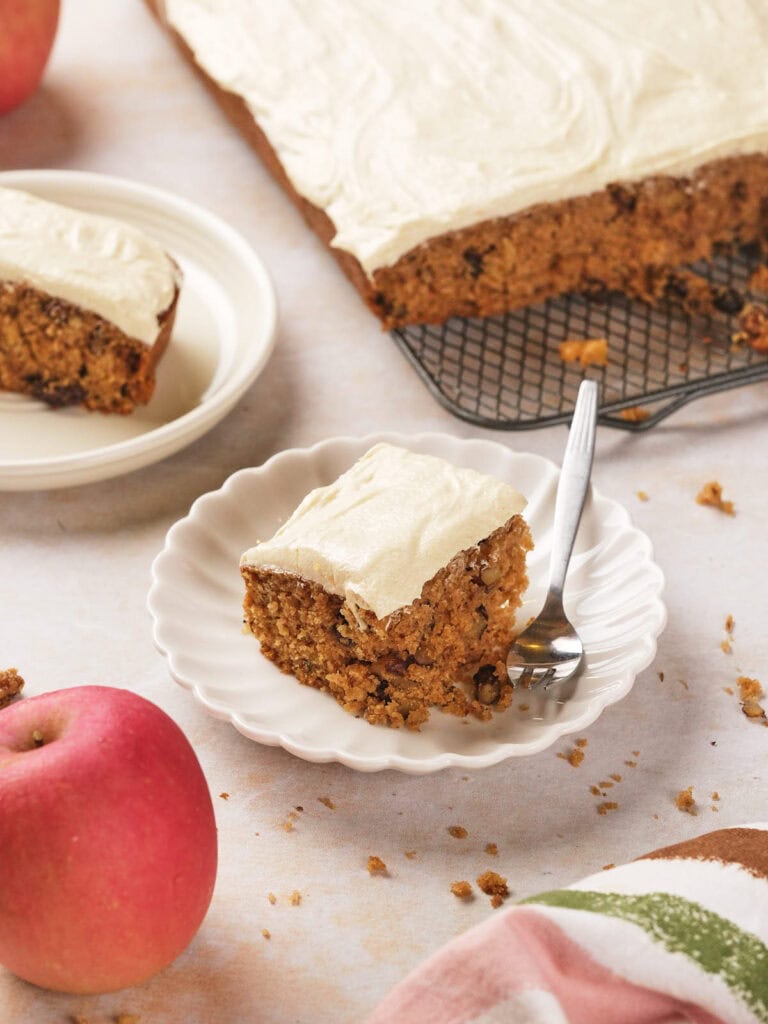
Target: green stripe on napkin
x=717, y=945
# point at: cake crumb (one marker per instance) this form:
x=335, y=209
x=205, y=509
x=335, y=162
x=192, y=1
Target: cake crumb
x=595, y=791
x=635, y=414
x=631, y=764
x=581, y=742
x=606, y=806
x=758, y=281
x=615, y=776
x=726, y=646
x=462, y=889
x=574, y=757
x=376, y=866
x=753, y=709
x=586, y=351
x=458, y=831
x=224, y=796
x=684, y=801
x=642, y=495
x=605, y=784
x=11, y=685
x=712, y=494
x=295, y=898
x=492, y=849
x=751, y=692
x=749, y=689
x=607, y=867
x=493, y=885
x=715, y=795
x=410, y=854
x=272, y=898
x=328, y=802
x=753, y=328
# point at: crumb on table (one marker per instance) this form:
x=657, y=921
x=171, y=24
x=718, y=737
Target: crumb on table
x=295, y=898
x=574, y=756
x=376, y=866
x=712, y=494
x=11, y=685
x=493, y=885
x=458, y=831
x=606, y=806
x=684, y=801
x=463, y=890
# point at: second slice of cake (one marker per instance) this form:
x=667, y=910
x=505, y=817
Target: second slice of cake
x=87, y=305
x=395, y=588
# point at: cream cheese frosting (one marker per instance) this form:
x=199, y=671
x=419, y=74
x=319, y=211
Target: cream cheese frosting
x=386, y=526
x=404, y=120
x=101, y=264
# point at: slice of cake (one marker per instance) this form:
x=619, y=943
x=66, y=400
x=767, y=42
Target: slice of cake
x=466, y=158
x=395, y=588
x=87, y=305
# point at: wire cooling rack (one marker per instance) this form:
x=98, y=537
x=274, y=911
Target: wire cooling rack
x=505, y=372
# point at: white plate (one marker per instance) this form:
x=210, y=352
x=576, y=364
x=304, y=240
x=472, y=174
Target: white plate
x=223, y=335
x=613, y=596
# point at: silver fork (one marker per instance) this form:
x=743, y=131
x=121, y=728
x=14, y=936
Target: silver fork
x=550, y=650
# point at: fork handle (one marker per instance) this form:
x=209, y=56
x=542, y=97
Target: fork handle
x=573, y=484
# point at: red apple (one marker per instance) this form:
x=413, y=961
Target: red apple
x=27, y=31
x=107, y=839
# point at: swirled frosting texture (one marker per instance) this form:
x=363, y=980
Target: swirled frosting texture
x=408, y=118
x=386, y=526
x=95, y=262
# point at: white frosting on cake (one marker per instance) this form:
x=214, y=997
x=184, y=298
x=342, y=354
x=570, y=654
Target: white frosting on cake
x=386, y=526
x=100, y=264
x=408, y=118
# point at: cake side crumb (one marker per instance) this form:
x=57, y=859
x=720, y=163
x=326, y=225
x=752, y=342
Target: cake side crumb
x=11, y=685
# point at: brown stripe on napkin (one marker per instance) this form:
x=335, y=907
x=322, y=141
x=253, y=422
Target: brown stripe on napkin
x=745, y=846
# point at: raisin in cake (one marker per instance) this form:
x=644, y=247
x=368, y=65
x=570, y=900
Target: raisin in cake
x=466, y=158
x=87, y=305
x=395, y=588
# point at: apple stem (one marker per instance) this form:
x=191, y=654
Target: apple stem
x=37, y=738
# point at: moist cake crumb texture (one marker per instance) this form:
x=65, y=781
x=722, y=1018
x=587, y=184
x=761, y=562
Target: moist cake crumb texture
x=87, y=306
x=445, y=648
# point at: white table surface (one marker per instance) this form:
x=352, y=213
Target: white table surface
x=74, y=574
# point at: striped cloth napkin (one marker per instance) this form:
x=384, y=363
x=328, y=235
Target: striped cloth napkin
x=678, y=935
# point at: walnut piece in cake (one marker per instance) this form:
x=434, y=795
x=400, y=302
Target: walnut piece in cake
x=394, y=589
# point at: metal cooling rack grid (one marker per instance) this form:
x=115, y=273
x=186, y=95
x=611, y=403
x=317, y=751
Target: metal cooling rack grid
x=505, y=372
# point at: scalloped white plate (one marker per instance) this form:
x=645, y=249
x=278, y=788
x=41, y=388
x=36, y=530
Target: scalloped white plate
x=223, y=335
x=613, y=598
